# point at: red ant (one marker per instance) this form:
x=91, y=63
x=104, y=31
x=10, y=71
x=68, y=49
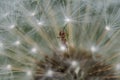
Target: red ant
x=63, y=35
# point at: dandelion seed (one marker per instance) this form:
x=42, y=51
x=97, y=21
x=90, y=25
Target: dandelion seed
x=117, y=67
x=49, y=73
x=93, y=49
x=108, y=28
x=34, y=50
x=1, y=45
x=77, y=70
x=17, y=43
x=67, y=20
x=12, y=26
x=74, y=64
x=8, y=67
x=6, y=14
x=40, y=23
x=63, y=48
x=28, y=73
x=33, y=14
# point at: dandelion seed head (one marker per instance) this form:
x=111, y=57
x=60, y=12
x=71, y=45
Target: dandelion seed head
x=63, y=65
x=51, y=55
